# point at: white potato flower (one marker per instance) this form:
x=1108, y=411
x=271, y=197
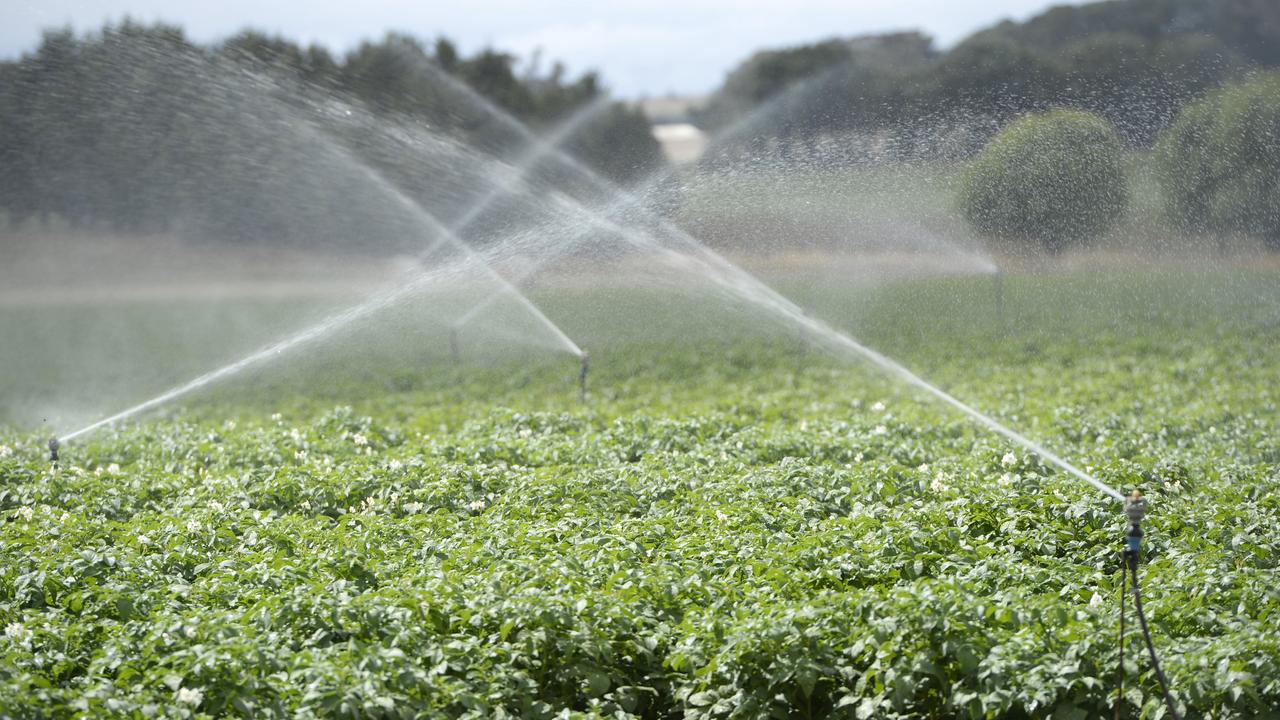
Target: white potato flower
x=17, y=632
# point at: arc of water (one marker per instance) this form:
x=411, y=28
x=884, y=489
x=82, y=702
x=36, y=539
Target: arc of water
x=314, y=332
x=892, y=366
x=534, y=153
x=371, y=306
x=799, y=90
x=451, y=237
x=802, y=89
x=655, y=178
x=753, y=290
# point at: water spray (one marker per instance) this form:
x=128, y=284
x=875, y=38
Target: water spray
x=584, y=368
x=747, y=286
x=538, y=148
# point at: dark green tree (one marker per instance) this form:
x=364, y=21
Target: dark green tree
x=1219, y=164
x=1056, y=179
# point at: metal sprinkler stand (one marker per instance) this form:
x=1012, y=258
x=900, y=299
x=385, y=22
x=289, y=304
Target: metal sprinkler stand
x=802, y=347
x=53, y=450
x=582, y=375
x=1135, y=506
x=999, y=283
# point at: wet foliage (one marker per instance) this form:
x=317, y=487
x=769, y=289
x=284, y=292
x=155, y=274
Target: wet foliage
x=1220, y=162
x=898, y=95
x=1053, y=179
x=731, y=527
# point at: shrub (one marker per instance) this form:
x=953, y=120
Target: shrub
x=1219, y=163
x=1055, y=178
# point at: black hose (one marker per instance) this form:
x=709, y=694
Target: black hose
x=1132, y=562
x=1124, y=589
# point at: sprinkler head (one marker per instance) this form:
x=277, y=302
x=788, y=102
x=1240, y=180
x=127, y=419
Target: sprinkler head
x=1135, y=506
x=53, y=449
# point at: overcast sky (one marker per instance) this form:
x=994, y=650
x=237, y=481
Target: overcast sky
x=642, y=47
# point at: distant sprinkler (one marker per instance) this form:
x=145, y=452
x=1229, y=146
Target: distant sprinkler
x=998, y=280
x=453, y=345
x=53, y=449
x=802, y=350
x=1135, y=506
x=582, y=375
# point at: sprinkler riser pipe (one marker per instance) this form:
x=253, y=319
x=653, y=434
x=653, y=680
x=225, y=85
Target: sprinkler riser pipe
x=1133, y=541
x=999, y=288
x=582, y=375
x=1135, y=507
x=54, y=444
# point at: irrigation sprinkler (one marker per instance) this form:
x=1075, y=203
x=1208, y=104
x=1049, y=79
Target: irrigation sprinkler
x=998, y=281
x=802, y=354
x=1135, y=506
x=582, y=375
x=53, y=450
x=453, y=345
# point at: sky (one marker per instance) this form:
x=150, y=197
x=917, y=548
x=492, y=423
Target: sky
x=641, y=47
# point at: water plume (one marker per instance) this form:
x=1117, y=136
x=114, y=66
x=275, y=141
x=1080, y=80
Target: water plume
x=408, y=288
x=742, y=283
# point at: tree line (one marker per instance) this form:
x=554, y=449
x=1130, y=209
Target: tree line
x=137, y=129
x=1136, y=63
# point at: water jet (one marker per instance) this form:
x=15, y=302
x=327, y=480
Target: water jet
x=443, y=235
x=751, y=289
